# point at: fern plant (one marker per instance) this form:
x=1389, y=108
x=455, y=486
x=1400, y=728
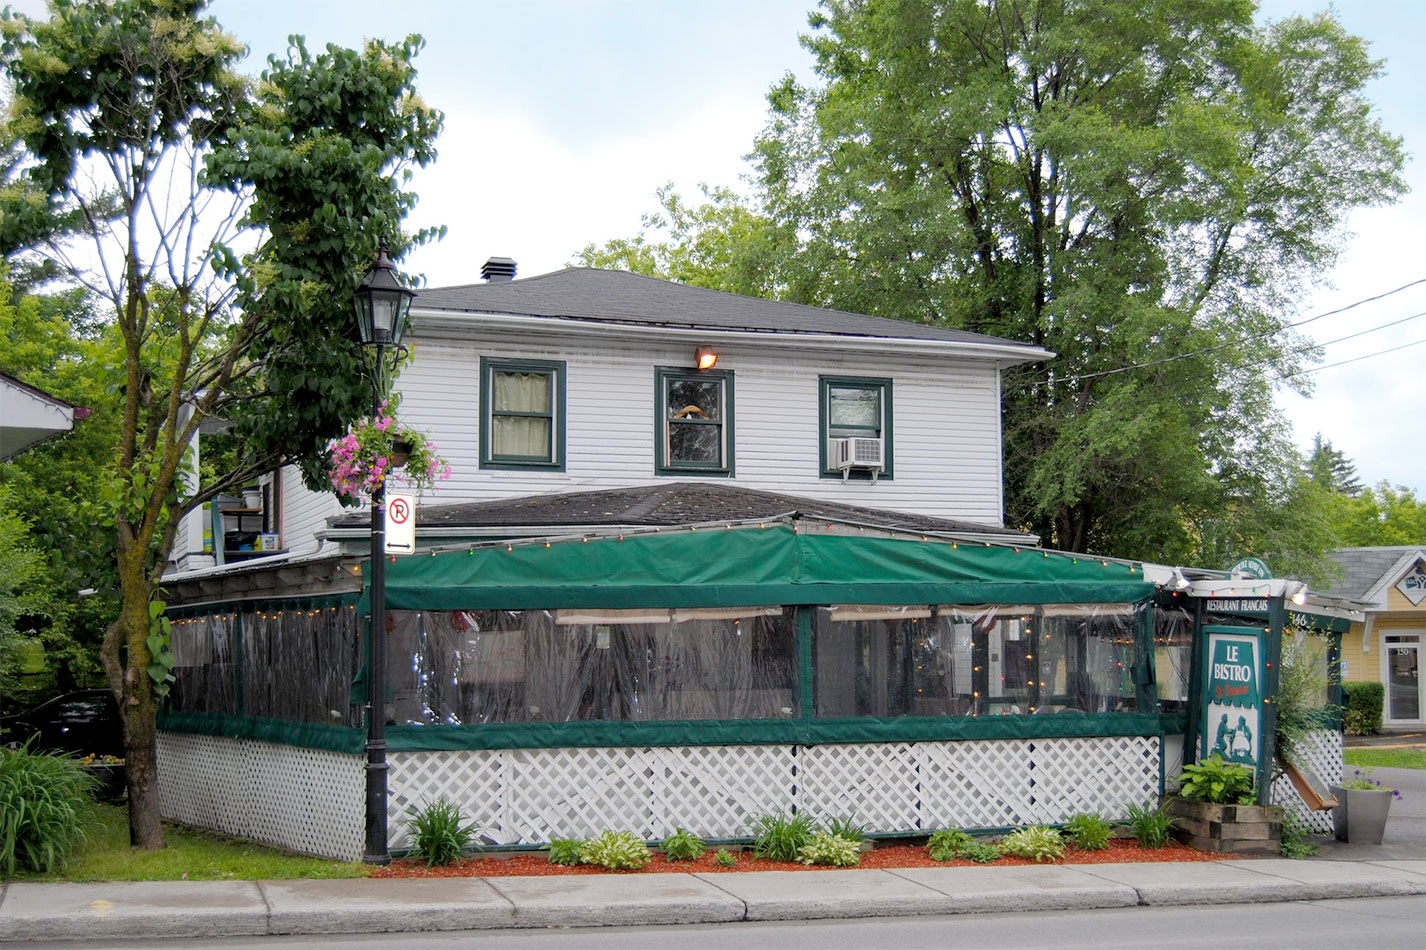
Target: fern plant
x=1036, y=842
x=615, y=850
x=439, y=831
x=1088, y=831
x=683, y=845
x=829, y=849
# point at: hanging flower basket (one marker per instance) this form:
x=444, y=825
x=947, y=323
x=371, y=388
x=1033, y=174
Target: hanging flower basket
x=377, y=449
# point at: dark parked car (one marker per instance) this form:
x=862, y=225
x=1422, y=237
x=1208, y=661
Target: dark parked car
x=82, y=722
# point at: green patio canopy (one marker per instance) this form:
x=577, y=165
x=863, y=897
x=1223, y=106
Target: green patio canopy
x=771, y=563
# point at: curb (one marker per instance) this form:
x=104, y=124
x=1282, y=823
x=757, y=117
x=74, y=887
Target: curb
x=251, y=908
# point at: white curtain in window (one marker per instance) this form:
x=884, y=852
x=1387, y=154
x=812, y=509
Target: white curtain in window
x=525, y=436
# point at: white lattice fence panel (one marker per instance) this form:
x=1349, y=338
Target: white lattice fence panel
x=1102, y=774
x=975, y=784
x=716, y=791
x=576, y=793
x=472, y=779
x=308, y=800
x=1323, y=750
x=305, y=800
x=198, y=778
x=874, y=784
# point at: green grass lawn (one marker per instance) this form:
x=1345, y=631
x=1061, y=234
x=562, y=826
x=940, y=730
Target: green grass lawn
x=191, y=855
x=1386, y=758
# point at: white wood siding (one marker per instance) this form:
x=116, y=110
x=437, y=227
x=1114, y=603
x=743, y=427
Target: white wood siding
x=304, y=512
x=946, y=423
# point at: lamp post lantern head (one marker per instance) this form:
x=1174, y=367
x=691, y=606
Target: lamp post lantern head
x=382, y=304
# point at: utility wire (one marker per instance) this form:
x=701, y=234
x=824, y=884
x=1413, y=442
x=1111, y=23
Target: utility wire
x=1245, y=339
x=1357, y=359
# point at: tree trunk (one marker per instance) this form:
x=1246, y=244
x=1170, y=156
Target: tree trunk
x=126, y=658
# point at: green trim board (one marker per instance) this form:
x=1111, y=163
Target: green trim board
x=884, y=430
x=783, y=563
x=280, y=603
x=308, y=735
x=725, y=465
x=554, y=459
x=542, y=735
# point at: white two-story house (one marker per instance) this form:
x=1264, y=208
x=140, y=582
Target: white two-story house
x=588, y=380
x=702, y=557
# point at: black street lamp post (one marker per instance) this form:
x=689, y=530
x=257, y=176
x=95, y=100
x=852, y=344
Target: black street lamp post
x=382, y=308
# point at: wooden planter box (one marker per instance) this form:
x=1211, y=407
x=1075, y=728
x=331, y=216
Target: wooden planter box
x=1227, y=829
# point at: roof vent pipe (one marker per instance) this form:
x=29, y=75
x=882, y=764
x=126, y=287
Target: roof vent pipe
x=498, y=269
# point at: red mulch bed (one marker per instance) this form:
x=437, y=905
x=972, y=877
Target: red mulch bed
x=1120, y=851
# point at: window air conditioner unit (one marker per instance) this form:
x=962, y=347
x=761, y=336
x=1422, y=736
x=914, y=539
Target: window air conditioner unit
x=848, y=454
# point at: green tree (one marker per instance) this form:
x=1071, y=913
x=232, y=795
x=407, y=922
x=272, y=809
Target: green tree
x=225, y=223
x=1143, y=189
x=1378, y=517
x=1330, y=468
x=59, y=344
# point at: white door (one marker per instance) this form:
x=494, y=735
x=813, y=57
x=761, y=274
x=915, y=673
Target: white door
x=1401, y=654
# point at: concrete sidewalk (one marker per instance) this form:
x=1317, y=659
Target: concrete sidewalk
x=245, y=908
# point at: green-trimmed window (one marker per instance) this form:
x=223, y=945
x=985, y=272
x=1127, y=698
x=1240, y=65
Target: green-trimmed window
x=522, y=414
x=694, y=420
x=854, y=407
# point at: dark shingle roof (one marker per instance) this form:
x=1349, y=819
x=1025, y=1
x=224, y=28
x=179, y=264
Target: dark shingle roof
x=1363, y=567
x=585, y=293
x=675, y=503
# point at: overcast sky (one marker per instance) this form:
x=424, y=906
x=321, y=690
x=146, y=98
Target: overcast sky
x=563, y=116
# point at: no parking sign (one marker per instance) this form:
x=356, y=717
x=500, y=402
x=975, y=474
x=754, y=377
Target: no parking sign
x=400, y=523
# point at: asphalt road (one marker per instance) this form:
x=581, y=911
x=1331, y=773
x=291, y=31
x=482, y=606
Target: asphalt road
x=1381, y=923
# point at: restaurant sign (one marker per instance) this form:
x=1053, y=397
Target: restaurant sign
x=1233, y=708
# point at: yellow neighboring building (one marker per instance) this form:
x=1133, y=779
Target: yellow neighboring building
x=1386, y=648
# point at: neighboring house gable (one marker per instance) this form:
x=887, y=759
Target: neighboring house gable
x=1387, y=647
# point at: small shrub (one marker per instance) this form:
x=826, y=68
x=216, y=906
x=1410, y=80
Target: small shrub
x=1035, y=842
x=779, y=836
x=1364, y=705
x=41, y=798
x=846, y=828
x=725, y=858
x=1214, y=781
x=1151, y=824
x=1296, y=837
x=683, y=845
x=438, y=832
x=947, y=844
x=1088, y=831
x=980, y=852
x=829, y=849
x=615, y=850
x=564, y=851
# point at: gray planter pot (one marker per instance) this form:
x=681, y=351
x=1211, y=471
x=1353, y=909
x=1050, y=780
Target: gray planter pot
x=1360, y=815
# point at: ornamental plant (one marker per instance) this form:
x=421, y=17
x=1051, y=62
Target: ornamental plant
x=42, y=799
x=683, y=845
x=947, y=844
x=826, y=848
x=1151, y=824
x=1368, y=782
x=439, y=831
x=362, y=460
x=1035, y=842
x=779, y=836
x=615, y=850
x=1088, y=830
x=1216, y=782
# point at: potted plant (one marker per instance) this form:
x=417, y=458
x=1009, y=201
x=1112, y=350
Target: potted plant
x=1215, y=810
x=108, y=774
x=374, y=449
x=1363, y=804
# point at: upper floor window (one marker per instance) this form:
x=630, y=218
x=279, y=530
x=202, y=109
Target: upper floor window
x=694, y=421
x=854, y=407
x=521, y=414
